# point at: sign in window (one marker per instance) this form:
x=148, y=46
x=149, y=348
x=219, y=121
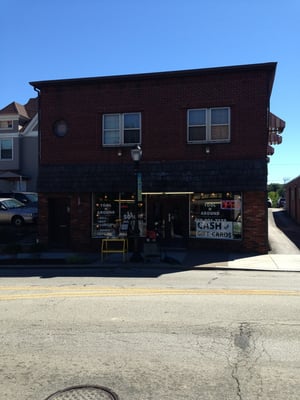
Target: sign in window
x=216, y=216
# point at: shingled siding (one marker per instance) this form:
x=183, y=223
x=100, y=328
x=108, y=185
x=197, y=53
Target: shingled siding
x=229, y=175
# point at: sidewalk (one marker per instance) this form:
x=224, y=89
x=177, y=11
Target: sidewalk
x=266, y=262
x=177, y=260
x=279, y=229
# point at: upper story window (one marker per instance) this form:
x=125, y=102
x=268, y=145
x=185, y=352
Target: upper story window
x=6, y=124
x=209, y=125
x=6, y=149
x=121, y=129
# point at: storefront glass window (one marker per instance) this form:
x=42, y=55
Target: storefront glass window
x=216, y=216
x=114, y=215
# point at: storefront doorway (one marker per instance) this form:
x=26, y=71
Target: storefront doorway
x=59, y=222
x=169, y=214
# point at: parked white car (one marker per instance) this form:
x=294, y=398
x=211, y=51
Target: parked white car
x=27, y=198
x=16, y=213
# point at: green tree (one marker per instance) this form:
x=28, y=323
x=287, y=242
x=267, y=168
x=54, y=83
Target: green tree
x=275, y=190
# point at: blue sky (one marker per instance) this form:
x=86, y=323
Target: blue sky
x=58, y=39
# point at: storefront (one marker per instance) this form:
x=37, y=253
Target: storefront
x=169, y=217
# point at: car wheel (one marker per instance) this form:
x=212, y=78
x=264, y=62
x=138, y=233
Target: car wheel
x=17, y=221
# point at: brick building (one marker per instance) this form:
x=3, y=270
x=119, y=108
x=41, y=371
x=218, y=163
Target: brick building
x=292, y=196
x=205, y=138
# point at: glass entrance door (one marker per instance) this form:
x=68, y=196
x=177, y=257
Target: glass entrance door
x=169, y=215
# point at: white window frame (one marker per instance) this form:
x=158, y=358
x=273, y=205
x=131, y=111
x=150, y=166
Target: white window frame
x=208, y=125
x=12, y=150
x=121, y=129
x=2, y=128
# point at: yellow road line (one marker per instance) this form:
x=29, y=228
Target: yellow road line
x=45, y=292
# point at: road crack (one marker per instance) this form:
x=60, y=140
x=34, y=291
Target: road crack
x=245, y=351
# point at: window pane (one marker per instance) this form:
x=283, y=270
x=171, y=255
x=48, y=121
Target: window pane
x=219, y=132
x=197, y=133
x=132, y=136
x=6, y=144
x=111, y=122
x=131, y=121
x=219, y=116
x=6, y=149
x=111, y=137
x=197, y=117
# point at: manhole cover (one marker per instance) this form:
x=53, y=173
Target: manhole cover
x=84, y=393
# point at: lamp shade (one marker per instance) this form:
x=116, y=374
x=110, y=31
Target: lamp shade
x=136, y=153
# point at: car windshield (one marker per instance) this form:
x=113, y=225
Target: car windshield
x=12, y=203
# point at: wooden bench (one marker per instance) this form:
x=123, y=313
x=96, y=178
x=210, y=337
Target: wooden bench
x=113, y=246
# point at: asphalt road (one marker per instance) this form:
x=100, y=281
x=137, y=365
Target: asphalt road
x=164, y=334
x=185, y=335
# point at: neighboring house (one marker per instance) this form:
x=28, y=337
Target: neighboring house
x=202, y=180
x=292, y=197
x=19, y=146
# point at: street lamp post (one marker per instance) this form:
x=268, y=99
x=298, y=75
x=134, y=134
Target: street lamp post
x=136, y=155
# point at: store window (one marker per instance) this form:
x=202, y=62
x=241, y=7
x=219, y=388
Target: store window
x=121, y=129
x=208, y=125
x=216, y=216
x=114, y=215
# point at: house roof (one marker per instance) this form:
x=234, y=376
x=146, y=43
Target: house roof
x=11, y=175
x=32, y=107
x=26, y=111
x=271, y=67
x=14, y=108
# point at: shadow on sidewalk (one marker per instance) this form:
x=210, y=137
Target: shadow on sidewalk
x=175, y=262
x=287, y=225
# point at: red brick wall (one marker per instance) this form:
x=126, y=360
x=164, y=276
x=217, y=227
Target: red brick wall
x=163, y=104
x=292, y=193
x=80, y=219
x=255, y=222
x=43, y=219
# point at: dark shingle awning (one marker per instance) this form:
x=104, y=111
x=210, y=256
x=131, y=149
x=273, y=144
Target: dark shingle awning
x=173, y=176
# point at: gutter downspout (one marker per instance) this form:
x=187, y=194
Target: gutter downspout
x=39, y=121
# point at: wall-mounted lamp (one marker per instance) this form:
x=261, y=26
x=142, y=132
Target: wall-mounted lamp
x=207, y=150
x=136, y=154
x=119, y=153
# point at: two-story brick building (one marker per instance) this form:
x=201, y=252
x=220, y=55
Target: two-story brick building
x=202, y=178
